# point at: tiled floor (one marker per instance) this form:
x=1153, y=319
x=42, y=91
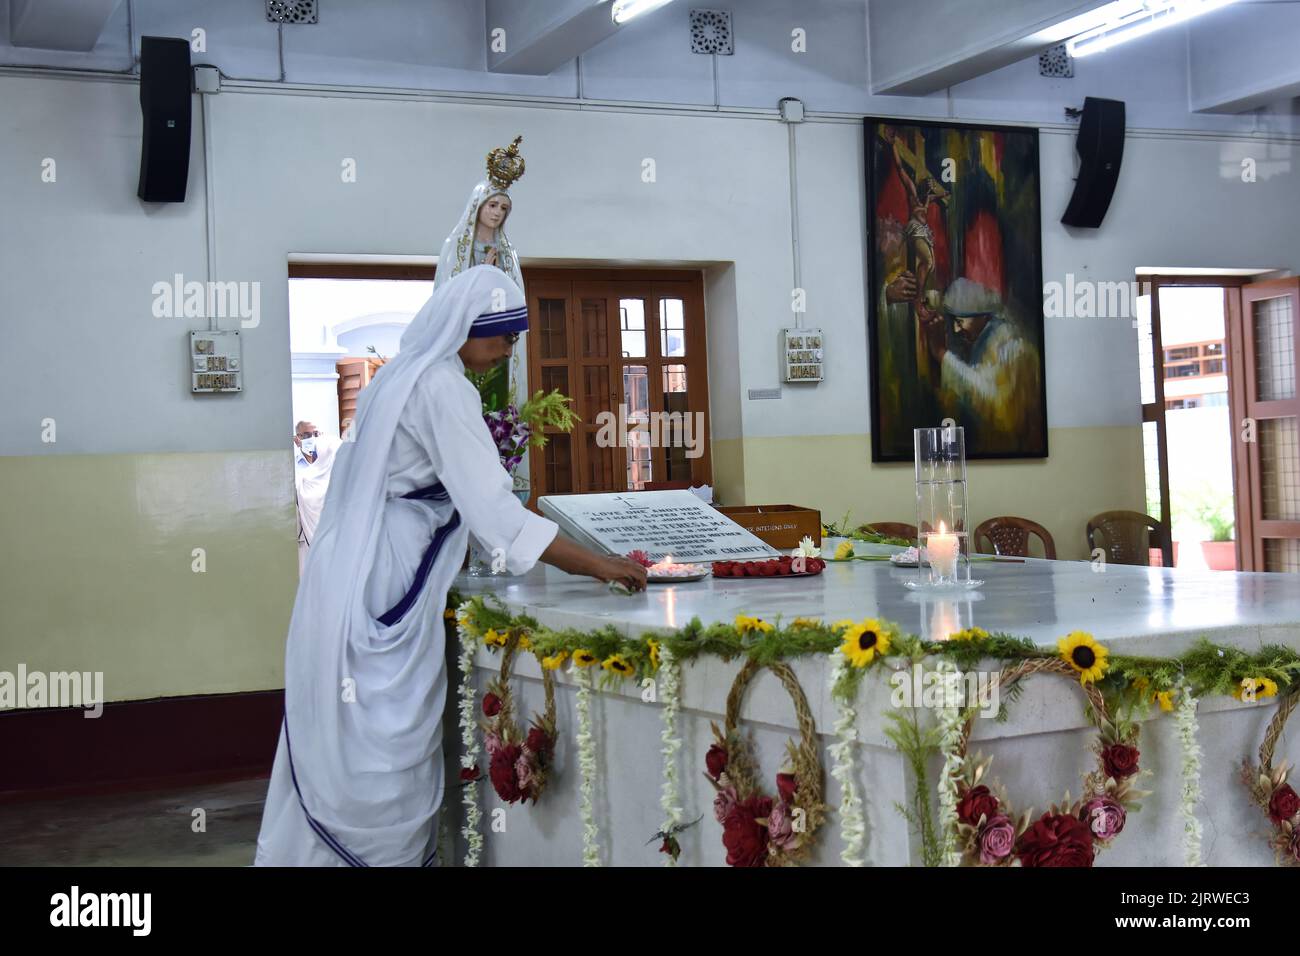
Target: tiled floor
x=136, y=829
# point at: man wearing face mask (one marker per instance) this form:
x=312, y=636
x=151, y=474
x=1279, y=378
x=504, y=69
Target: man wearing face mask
x=311, y=477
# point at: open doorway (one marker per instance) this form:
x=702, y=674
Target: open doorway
x=1218, y=358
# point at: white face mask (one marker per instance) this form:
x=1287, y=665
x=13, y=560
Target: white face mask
x=309, y=446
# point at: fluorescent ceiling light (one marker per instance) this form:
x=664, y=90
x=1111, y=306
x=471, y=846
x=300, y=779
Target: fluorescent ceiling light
x=1124, y=21
x=625, y=10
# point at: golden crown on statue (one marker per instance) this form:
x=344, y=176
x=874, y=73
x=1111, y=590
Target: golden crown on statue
x=505, y=165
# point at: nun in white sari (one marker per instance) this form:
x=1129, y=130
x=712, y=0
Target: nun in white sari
x=358, y=775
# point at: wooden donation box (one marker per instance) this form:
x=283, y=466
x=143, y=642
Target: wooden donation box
x=661, y=523
x=781, y=526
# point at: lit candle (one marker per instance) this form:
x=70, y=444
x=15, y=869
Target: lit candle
x=942, y=549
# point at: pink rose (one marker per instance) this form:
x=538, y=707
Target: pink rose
x=996, y=840
x=780, y=828
x=493, y=744
x=1104, y=816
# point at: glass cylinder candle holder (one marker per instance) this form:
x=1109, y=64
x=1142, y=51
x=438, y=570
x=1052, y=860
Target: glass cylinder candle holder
x=941, y=504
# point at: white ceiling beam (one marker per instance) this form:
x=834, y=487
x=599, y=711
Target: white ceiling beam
x=59, y=24
x=1243, y=57
x=919, y=46
x=539, y=38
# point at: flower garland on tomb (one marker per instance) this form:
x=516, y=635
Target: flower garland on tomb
x=670, y=799
x=1190, y=745
x=853, y=828
x=1126, y=686
x=469, y=774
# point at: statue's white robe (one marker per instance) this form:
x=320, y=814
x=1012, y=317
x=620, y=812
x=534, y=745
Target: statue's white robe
x=358, y=776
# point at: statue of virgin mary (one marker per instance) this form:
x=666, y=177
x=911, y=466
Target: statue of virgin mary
x=479, y=237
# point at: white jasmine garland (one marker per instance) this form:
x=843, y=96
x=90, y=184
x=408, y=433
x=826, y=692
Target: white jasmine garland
x=469, y=741
x=1188, y=728
x=951, y=720
x=853, y=827
x=587, y=764
x=669, y=689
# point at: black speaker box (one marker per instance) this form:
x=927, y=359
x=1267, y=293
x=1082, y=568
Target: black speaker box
x=165, y=80
x=1101, y=149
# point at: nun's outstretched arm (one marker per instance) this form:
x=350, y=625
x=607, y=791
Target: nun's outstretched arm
x=449, y=422
x=446, y=418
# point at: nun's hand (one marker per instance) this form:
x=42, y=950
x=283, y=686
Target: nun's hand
x=626, y=572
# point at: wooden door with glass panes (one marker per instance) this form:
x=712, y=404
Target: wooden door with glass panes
x=630, y=352
x=1264, y=344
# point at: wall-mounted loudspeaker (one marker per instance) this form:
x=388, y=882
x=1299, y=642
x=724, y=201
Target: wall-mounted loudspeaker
x=1101, y=149
x=165, y=105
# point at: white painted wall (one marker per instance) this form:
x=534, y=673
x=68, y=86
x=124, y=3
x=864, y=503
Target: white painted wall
x=79, y=257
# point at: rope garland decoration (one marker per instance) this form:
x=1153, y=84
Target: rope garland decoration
x=758, y=830
x=988, y=834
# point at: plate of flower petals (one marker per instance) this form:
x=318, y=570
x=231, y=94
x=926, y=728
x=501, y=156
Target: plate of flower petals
x=782, y=567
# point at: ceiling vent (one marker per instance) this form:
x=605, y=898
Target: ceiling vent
x=711, y=32
x=1056, y=62
x=291, y=11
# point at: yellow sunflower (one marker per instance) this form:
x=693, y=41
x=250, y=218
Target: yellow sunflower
x=1084, y=654
x=1255, y=688
x=584, y=658
x=864, y=642
x=654, y=654
x=617, y=664
x=745, y=624
x=555, y=661
x=969, y=634
x=844, y=550
x=799, y=622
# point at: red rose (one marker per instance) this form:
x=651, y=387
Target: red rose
x=491, y=705
x=976, y=803
x=786, y=785
x=1284, y=804
x=743, y=836
x=1056, y=840
x=470, y=774
x=1120, y=761
x=716, y=760
x=538, y=742
x=502, y=772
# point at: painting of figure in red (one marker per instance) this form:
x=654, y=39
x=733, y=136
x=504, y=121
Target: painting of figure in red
x=955, y=260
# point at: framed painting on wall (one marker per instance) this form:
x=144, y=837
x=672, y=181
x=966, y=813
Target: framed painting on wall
x=956, y=286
